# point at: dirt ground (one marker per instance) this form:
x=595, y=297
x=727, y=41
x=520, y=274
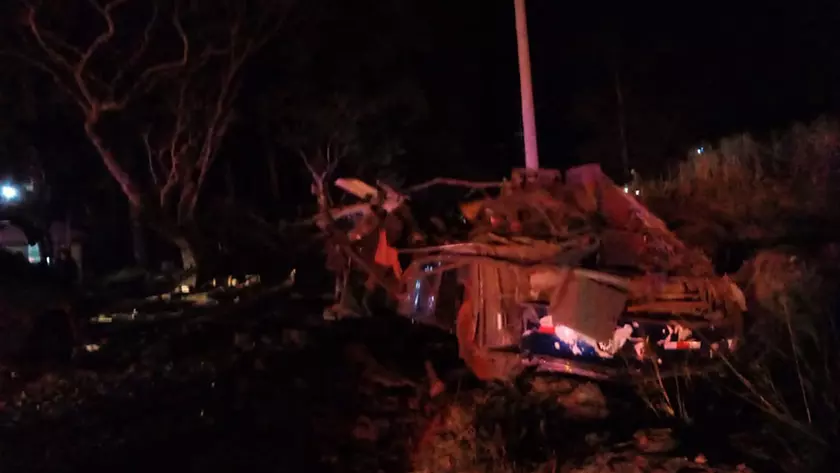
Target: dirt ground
x=283, y=390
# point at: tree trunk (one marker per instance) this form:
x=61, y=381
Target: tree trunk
x=229, y=183
x=273, y=176
x=138, y=240
x=189, y=261
x=114, y=168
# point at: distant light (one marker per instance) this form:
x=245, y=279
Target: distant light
x=638, y=192
x=9, y=192
x=700, y=150
x=626, y=189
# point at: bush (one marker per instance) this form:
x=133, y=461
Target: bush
x=761, y=194
x=747, y=189
x=789, y=369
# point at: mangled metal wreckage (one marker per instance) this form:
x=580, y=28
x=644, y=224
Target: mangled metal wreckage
x=568, y=275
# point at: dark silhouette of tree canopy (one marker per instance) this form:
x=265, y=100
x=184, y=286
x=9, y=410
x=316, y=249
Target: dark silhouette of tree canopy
x=350, y=94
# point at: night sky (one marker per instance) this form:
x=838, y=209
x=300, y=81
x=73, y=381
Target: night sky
x=690, y=72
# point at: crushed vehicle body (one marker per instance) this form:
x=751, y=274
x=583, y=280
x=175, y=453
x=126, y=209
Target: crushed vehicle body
x=571, y=274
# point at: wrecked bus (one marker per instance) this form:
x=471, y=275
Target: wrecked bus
x=571, y=274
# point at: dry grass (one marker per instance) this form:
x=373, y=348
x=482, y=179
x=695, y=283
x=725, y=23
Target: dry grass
x=760, y=193
x=528, y=429
x=790, y=370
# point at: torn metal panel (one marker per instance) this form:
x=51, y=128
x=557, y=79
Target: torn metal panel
x=544, y=281
x=587, y=306
x=495, y=290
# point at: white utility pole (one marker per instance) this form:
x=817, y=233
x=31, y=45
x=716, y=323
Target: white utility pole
x=529, y=122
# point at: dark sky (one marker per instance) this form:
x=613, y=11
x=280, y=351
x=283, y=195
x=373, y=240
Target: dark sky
x=689, y=72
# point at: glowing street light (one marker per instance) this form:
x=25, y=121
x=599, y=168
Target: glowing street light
x=9, y=192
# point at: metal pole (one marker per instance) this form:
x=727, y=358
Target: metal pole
x=529, y=125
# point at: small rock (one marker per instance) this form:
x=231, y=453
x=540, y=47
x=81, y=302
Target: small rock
x=437, y=387
x=655, y=440
x=640, y=462
x=586, y=401
x=413, y=403
x=243, y=341
x=593, y=438
x=294, y=338
x=373, y=371
x=381, y=425
x=545, y=384
x=365, y=430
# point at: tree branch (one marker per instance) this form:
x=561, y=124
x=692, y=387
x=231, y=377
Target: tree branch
x=49, y=71
x=141, y=49
x=149, y=78
x=54, y=55
x=79, y=90
x=454, y=182
x=103, y=38
x=120, y=175
x=180, y=127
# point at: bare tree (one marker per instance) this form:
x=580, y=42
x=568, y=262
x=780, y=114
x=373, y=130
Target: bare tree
x=346, y=132
x=171, y=84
